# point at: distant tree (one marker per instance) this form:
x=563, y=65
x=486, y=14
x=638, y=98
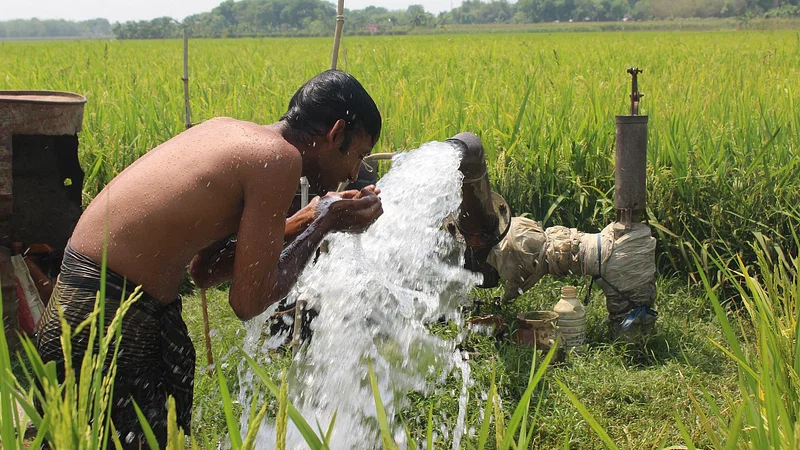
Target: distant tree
x=35, y=28
x=418, y=17
x=316, y=17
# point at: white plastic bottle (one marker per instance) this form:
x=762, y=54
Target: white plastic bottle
x=571, y=319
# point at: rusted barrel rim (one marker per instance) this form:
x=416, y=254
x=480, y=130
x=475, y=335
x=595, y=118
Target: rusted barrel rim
x=47, y=97
x=537, y=318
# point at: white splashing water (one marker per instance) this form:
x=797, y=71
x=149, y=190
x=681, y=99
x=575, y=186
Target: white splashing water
x=375, y=293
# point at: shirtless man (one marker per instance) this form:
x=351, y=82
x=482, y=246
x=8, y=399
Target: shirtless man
x=180, y=203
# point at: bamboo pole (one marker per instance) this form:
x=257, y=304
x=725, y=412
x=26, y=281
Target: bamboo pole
x=188, y=124
x=185, y=78
x=206, y=330
x=337, y=36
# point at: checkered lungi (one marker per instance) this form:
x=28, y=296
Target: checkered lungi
x=156, y=357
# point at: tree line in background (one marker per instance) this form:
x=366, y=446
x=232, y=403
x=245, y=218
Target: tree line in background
x=35, y=28
x=316, y=17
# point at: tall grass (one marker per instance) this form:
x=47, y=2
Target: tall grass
x=724, y=128
x=77, y=410
x=768, y=356
x=764, y=344
x=77, y=413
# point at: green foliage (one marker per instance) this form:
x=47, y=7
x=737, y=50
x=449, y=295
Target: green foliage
x=723, y=127
x=722, y=168
x=35, y=28
x=77, y=411
x=248, y=18
x=766, y=411
x=767, y=415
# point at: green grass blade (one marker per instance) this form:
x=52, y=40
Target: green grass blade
x=148, y=431
x=115, y=437
x=383, y=423
x=733, y=342
x=41, y=433
x=521, y=111
x=735, y=429
x=227, y=405
x=302, y=426
x=483, y=436
x=522, y=406
x=429, y=430
x=329, y=433
x=684, y=433
x=7, y=432
x=411, y=442
x=588, y=417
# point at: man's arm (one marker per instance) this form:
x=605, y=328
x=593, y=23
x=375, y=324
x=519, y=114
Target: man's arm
x=259, y=282
x=268, y=191
x=214, y=264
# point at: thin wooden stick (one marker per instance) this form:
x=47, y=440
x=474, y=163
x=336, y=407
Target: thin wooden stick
x=186, y=77
x=337, y=37
x=206, y=328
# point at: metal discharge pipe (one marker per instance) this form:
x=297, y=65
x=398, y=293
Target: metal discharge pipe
x=484, y=217
x=630, y=192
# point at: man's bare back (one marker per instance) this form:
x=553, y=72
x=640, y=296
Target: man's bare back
x=184, y=195
x=178, y=205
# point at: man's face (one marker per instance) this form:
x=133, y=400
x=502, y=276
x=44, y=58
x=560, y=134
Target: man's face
x=337, y=166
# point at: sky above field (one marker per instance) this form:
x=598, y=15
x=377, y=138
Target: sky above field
x=123, y=10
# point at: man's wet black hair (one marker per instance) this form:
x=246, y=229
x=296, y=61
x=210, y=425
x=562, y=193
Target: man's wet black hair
x=328, y=97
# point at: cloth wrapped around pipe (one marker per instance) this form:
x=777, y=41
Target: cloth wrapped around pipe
x=621, y=260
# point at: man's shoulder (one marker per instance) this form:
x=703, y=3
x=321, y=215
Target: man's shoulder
x=257, y=149
x=235, y=129
x=251, y=138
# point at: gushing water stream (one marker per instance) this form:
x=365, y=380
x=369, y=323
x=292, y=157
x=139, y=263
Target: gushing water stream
x=375, y=293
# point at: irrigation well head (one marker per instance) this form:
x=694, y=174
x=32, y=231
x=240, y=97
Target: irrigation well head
x=630, y=194
x=484, y=216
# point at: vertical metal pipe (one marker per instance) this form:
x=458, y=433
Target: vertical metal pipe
x=630, y=193
x=304, y=185
x=300, y=305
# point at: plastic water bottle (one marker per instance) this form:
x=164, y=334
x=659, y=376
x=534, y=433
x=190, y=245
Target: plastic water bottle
x=571, y=319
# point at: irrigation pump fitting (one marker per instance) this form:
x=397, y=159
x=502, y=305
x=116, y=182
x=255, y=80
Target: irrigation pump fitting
x=630, y=193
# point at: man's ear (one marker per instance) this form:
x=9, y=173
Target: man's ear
x=335, y=136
